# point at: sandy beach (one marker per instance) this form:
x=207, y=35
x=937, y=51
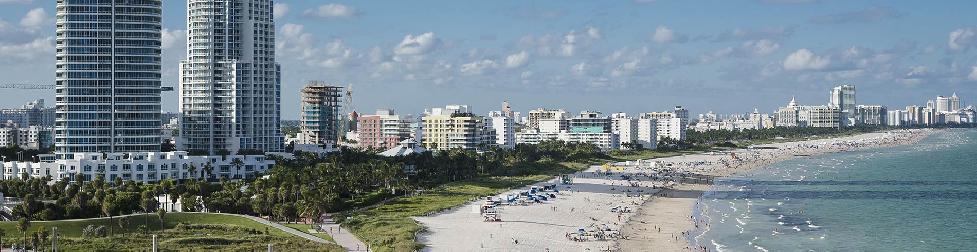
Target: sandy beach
x=641, y=205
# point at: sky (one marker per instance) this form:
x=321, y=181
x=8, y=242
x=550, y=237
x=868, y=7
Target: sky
x=613, y=56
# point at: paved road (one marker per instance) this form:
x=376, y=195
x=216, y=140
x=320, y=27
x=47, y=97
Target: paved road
x=283, y=228
x=343, y=237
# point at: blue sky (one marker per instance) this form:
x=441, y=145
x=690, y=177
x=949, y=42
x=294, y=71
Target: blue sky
x=629, y=56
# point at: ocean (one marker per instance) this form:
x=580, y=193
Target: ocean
x=919, y=197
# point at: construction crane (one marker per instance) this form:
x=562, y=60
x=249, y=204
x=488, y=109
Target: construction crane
x=25, y=86
x=48, y=86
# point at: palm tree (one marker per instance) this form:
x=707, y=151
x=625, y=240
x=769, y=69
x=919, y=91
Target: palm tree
x=208, y=171
x=108, y=208
x=22, y=225
x=192, y=170
x=237, y=163
x=160, y=213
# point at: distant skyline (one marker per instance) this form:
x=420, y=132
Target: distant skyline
x=613, y=56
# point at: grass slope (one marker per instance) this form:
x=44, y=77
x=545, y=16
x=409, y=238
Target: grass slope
x=183, y=232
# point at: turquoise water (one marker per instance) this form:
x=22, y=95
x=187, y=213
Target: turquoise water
x=920, y=197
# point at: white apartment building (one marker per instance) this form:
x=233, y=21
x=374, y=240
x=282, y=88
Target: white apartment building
x=752, y=121
x=823, y=117
x=505, y=129
x=32, y=138
x=895, y=118
x=230, y=82
x=647, y=131
x=536, y=116
x=625, y=127
x=143, y=167
x=843, y=98
x=875, y=115
x=809, y=116
x=604, y=141
x=107, y=76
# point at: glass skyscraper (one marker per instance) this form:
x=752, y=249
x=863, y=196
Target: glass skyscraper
x=230, y=85
x=108, y=76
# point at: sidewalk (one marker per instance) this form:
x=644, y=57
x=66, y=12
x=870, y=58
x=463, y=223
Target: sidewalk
x=283, y=228
x=343, y=237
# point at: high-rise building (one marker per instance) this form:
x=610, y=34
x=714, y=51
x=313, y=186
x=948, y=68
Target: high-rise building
x=942, y=104
x=108, y=76
x=541, y=114
x=230, y=83
x=647, y=131
x=31, y=114
x=591, y=122
x=383, y=130
x=505, y=128
x=626, y=128
x=455, y=127
x=954, y=102
x=875, y=115
x=843, y=98
x=320, y=114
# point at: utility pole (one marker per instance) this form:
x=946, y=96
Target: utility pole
x=54, y=239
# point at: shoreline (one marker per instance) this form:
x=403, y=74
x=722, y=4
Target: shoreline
x=675, y=216
x=657, y=194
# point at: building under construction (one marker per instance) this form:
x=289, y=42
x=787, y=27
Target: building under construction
x=321, y=105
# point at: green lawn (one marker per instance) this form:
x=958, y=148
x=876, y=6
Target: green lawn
x=305, y=229
x=183, y=232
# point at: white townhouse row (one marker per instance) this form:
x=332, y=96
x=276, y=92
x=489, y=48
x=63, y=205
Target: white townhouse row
x=143, y=167
x=604, y=141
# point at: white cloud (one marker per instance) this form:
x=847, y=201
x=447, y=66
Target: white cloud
x=36, y=49
x=593, y=32
x=332, y=11
x=804, y=59
x=294, y=40
x=172, y=37
x=280, y=10
x=627, y=68
x=918, y=72
x=517, y=60
x=416, y=45
x=35, y=18
x=580, y=69
x=962, y=38
x=478, y=67
x=973, y=74
x=569, y=46
x=761, y=47
x=663, y=34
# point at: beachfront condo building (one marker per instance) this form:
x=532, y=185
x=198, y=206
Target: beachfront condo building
x=107, y=81
x=843, y=98
x=455, y=127
x=604, y=141
x=536, y=116
x=794, y=115
x=591, y=122
x=230, y=83
x=626, y=128
x=383, y=130
x=874, y=115
x=504, y=125
x=320, y=116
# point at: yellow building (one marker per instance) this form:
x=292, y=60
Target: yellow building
x=454, y=126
